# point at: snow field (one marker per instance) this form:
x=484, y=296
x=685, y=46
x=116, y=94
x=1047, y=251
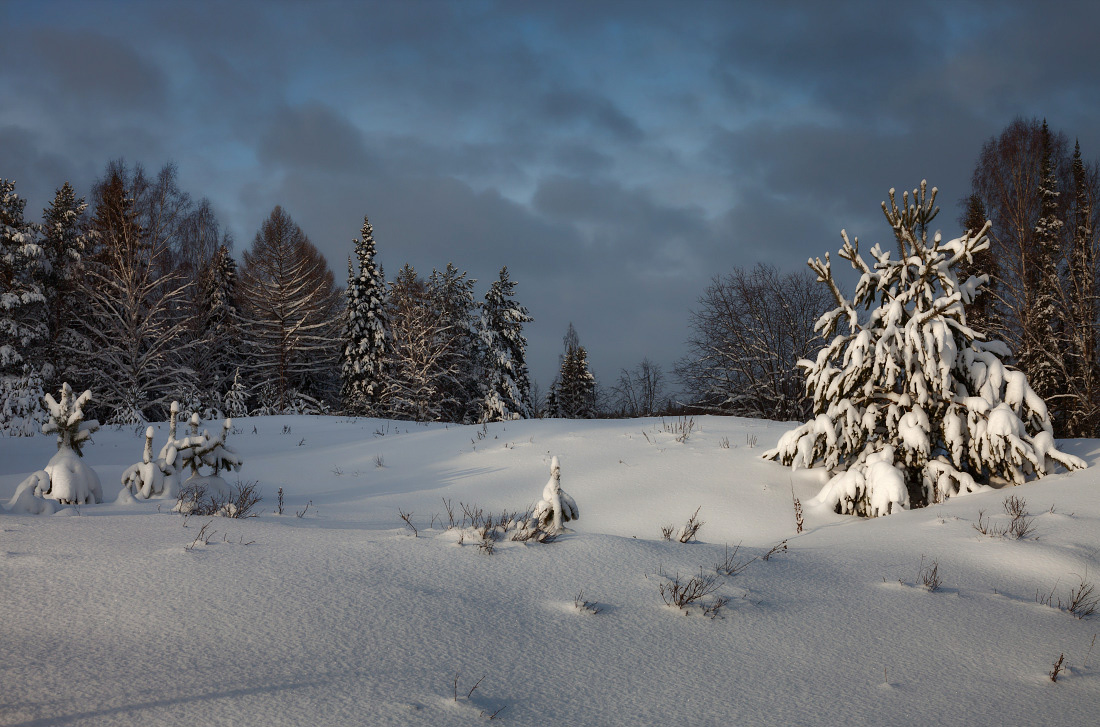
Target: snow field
x=342, y=617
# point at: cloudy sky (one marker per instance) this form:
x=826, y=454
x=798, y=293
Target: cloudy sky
x=615, y=156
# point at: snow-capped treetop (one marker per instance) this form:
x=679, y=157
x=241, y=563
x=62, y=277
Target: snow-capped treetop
x=911, y=386
x=67, y=419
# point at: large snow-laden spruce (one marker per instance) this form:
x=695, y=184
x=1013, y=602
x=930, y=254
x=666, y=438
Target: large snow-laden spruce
x=556, y=506
x=911, y=405
x=366, y=329
x=22, y=304
x=506, y=388
x=66, y=478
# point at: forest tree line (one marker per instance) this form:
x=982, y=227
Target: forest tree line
x=136, y=295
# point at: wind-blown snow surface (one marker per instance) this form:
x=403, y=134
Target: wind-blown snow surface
x=343, y=617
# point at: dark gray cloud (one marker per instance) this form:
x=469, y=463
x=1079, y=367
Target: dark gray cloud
x=615, y=156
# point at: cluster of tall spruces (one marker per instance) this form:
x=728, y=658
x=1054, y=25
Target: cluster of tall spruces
x=137, y=296
x=1040, y=197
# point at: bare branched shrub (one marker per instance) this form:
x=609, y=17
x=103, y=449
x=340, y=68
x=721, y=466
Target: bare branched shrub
x=1059, y=667
x=1081, y=602
x=691, y=527
x=666, y=532
x=724, y=443
x=379, y=461
x=780, y=547
x=929, y=575
x=302, y=513
x=279, y=504
x=1019, y=527
x=407, y=517
x=204, y=536
x=750, y=441
x=715, y=606
x=197, y=499
x=798, y=521
x=730, y=565
x=681, y=427
x=681, y=594
x=584, y=606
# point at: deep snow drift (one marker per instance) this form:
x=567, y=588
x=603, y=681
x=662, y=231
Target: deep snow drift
x=118, y=613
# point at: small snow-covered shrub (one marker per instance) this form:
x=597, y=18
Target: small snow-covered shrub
x=911, y=405
x=555, y=507
x=161, y=475
x=66, y=478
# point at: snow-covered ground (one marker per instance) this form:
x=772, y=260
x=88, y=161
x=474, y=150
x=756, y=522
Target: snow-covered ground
x=115, y=614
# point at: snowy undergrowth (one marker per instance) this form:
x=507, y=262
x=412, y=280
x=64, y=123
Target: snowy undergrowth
x=341, y=616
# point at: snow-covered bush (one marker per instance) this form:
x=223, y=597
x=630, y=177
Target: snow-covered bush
x=161, y=475
x=556, y=506
x=912, y=405
x=66, y=478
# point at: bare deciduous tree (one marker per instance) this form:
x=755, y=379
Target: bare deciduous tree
x=747, y=335
x=639, y=392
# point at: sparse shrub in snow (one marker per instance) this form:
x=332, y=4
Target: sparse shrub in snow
x=236, y=501
x=556, y=506
x=66, y=478
x=911, y=405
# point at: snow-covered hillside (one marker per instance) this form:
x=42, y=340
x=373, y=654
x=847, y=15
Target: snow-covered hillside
x=119, y=613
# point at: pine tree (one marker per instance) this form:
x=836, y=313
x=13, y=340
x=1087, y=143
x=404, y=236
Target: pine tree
x=506, y=388
x=366, y=330
x=23, y=328
x=1045, y=344
x=65, y=238
x=1083, y=415
x=573, y=392
x=981, y=312
x=911, y=405
x=452, y=297
x=218, y=349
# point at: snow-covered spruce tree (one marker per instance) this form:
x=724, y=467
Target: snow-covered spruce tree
x=217, y=352
x=506, y=387
x=22, y=411
x=452, y=295
x=66, y=478
x=911, y=405
x=366, y=329
x=64, y=241
x=22, y=304
x=1083, y=411
x=575, y=386
x=556, y=506
x=1045, y=344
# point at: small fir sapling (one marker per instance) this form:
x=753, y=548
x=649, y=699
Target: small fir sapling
x=911, y=404
x=66, y=478
x=161, y=476
x=556, y=506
